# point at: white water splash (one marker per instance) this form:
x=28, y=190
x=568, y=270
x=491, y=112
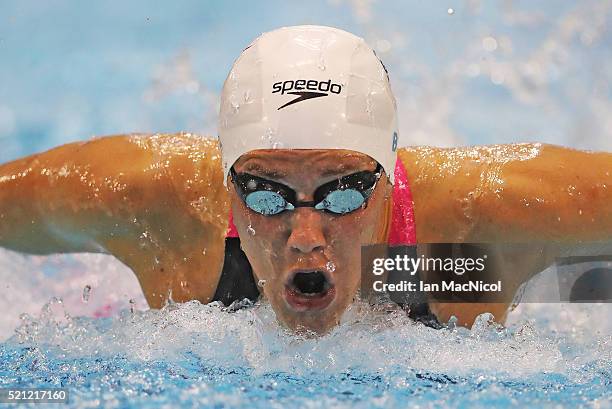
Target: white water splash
x=367, y=339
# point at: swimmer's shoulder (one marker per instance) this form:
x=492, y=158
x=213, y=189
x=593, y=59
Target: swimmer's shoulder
x=442, y=182
x=192, y=167
x=190, y=228
x=192, y=164
x=182, y=166
x=177, y=144
x=478, y=193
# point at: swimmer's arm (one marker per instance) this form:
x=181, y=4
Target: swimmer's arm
x=75, y=197
x=510, y=193
x=82, y=196
x=556, y=194
x=551, y=196
x=557, y=201
x=156, y=202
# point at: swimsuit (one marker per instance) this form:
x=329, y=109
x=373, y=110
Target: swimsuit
x=237, y=281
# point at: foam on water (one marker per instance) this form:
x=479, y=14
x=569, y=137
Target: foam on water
x=368, y=339
x=455, y=77
x=203, y=354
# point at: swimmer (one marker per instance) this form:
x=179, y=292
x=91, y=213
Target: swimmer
x=305, y=171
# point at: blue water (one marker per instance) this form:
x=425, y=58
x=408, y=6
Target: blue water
x=70, y=70
x=193, y=381
x=490, y=72
x=202, y=355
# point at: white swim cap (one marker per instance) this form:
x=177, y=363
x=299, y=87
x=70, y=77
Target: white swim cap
x=308, y=87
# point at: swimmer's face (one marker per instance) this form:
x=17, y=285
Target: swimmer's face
x=309, y=259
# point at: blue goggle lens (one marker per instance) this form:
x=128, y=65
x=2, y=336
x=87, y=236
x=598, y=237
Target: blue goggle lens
x=267, y=203
x=342, y=201
x=338, y=201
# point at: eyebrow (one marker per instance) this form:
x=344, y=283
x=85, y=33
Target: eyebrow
x=276, y=174
x=264, y=172
x=342, y=171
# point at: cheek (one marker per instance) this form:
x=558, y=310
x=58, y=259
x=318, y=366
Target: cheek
x=352, y=231
x=259, y=239
x=373, y=217
x=343, y=232
x=344, y=249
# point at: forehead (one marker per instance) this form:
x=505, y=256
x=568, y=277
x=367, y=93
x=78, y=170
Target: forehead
x=303, y=169
x=321, y=162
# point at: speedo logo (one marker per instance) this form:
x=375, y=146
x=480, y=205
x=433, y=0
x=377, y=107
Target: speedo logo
x=305, y=89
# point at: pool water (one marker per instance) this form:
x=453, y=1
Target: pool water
x=487, y=72
x=203, y=355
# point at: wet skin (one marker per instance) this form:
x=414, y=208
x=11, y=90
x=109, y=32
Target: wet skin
x=306, y=239
x=158, y=204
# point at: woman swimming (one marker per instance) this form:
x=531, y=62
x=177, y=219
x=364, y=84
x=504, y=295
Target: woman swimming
x=307, y=170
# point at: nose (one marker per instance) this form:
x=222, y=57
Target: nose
x=306, y=231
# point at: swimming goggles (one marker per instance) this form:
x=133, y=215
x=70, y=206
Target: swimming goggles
x=340, y=196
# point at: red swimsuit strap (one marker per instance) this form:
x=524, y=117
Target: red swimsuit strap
x=403, y=227
x=232, y=231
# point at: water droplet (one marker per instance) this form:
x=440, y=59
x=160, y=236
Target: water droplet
x=368, y=107
x=450, y=11
x=277, y=145
x=250, y=230
x=261, y=283
x=86, y=291
x=330, y=266
x=266, y=138
x=580, y=212
x=321, y=64
x=235, y=107
x=489, y=44
x=452, y=323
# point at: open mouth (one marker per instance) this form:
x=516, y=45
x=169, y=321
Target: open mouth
x=309, y=290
